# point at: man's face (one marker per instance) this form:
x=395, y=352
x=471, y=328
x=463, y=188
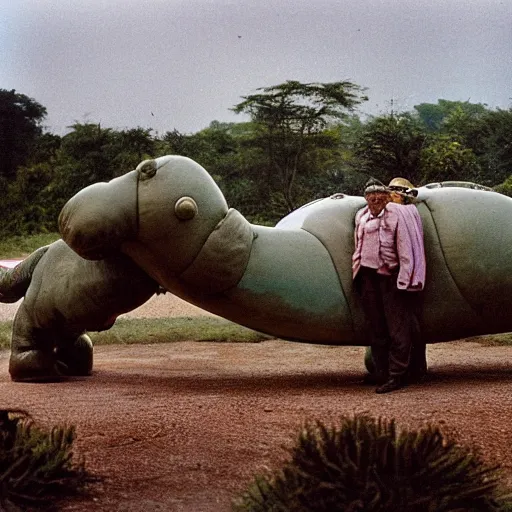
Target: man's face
x=377, y=201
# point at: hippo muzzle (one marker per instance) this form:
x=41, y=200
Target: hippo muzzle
x=99, y=218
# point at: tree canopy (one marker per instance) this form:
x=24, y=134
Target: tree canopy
x=303, y=141
x=20, y=125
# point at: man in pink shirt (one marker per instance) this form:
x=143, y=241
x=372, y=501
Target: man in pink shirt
x=388, y=263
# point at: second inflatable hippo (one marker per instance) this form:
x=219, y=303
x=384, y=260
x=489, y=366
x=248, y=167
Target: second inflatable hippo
x=64, y=296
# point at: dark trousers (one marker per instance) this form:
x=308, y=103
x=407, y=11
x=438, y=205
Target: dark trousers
x=390, y=313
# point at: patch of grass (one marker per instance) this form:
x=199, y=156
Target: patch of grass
x=162, y=330
x=37, y=466
x=21, y=246
x=493, y=340
x=165, y=330
x=5, y=334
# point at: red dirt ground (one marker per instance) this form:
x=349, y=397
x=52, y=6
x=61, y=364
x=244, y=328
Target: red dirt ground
x=185, y=426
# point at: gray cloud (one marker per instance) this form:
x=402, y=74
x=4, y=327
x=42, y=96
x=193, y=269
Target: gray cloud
x=181, y=64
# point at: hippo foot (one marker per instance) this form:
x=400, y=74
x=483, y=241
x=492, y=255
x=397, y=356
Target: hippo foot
x=77, y=356
x=368, y=361
x=35, y=366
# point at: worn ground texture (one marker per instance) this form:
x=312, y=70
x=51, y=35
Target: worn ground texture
x=185, y=426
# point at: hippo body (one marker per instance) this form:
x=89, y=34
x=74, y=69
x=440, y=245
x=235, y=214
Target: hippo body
x=294, y=281
x=64, y=296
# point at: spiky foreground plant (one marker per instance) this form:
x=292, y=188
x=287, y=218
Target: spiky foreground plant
x=367, y=465
x=35, y=465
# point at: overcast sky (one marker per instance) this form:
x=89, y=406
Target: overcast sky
x=180, y=64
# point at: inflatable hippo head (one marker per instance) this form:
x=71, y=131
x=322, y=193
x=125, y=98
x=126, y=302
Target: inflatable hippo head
x=167, y=202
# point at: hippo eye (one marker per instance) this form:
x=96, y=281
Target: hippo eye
x=185, y=208
x=146, y=169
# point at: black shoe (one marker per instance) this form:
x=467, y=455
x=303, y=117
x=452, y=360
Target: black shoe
x=374, y=379
x=392, y=384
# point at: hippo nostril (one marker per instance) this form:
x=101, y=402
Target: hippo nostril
x=146, y=169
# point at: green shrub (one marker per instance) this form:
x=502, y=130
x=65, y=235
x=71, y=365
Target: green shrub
x=36, y=466
x=367, y=465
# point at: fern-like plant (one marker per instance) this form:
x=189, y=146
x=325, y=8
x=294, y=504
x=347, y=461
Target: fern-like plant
x=36, y=465
x=367, y=465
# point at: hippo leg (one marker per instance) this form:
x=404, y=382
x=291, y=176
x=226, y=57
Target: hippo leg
x=77, y=355
x=32, y=354
x=368, y=361
x=418, y=364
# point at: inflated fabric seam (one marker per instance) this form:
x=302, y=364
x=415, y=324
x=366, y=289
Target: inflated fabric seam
x=446, y=263
x=194, y=273
x=337, y=274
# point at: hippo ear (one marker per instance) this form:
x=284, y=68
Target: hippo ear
x=146, y=169
x=185, y=208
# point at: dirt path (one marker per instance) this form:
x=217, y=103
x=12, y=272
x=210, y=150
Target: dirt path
x=157, y=306
x=184, y=426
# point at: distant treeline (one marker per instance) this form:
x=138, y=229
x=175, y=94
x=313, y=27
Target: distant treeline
x=303, y=141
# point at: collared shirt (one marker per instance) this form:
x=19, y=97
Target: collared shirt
x=370, y=247
x=397, y=241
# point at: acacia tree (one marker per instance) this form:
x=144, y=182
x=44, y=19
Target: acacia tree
x=290, y=119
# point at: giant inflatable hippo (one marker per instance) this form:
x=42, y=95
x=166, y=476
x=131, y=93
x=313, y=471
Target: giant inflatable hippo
x=63, y=296
x=294, y=280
